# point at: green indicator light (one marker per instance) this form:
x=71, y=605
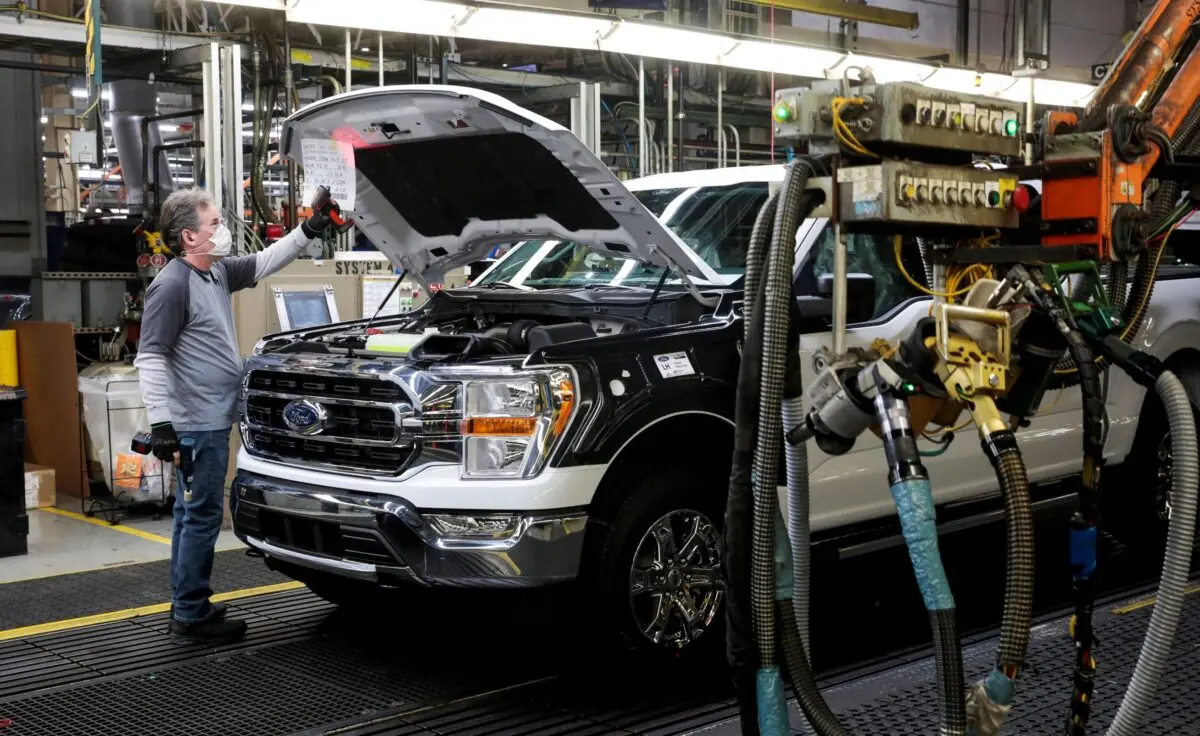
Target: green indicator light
x=1011, y=127
x=908, y=387
x=782, y=113
x=993, y=198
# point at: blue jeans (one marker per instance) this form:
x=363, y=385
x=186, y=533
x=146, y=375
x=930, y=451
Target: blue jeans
x=197, y=524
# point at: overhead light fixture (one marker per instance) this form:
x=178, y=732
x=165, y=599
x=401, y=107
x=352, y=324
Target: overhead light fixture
x=504, y=23
x=884, y=70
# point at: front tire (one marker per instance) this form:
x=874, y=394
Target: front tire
x=654, y=570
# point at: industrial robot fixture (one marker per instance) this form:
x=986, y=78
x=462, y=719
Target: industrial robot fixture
x=1005, y=327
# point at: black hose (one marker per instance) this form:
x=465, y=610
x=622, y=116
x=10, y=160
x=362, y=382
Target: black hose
x=1118, y=284
x=1002, y=450
x=739, y=514
x=991, y=698
x=804, y=684
x=775, y=309
x=740, y=644
x=1084, y=524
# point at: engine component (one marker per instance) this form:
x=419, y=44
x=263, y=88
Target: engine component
x=900, y=116
x=912, y=193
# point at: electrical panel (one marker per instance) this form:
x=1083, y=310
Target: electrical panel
x=902, y=115
x=915, y=193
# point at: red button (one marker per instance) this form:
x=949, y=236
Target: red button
x=1020, y=199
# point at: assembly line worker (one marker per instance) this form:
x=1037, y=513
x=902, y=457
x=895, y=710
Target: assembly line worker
x=190, y=371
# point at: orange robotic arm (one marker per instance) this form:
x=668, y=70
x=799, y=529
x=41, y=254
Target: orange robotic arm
x=1092, y=190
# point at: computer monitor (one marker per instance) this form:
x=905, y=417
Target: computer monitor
x=301, y=307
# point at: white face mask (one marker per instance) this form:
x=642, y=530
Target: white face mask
x=222, y=242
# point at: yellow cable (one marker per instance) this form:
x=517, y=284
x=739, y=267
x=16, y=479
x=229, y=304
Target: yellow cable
x=913, y=282
x=1047, y=409
x=842, y=131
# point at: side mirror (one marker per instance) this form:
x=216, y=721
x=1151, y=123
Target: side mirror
x=860, y=295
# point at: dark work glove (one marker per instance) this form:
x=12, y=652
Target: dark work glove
x=316, y=225
x=325, y=214
x=164, y=443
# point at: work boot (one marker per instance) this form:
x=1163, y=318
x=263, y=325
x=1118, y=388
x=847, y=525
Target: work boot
x=216, y=612
x=209, y=631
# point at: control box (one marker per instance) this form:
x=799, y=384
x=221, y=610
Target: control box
x=905, y=192
x=902, y=115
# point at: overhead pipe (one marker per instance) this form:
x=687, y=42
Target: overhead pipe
x=670, y=113
x=289, y=86
x=737, y=144
x=642, y=116
x=721, y=150
x=962, y=35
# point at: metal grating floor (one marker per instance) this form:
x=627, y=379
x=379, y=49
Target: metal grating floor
x=28, y=602
x=903, y=699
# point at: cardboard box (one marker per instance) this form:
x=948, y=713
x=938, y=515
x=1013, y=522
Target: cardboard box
x=39, y=486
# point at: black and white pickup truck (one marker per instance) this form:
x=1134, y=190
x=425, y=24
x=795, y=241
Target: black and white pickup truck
x=568, y=416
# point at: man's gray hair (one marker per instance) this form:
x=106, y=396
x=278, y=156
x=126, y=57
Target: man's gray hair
x=181, y=211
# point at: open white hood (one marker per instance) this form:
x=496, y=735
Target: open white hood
x=443, y=173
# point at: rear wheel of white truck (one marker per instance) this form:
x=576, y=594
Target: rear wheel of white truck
x=1138, y=506
x=653, y=569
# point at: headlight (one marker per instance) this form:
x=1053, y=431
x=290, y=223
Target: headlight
x=509, y=425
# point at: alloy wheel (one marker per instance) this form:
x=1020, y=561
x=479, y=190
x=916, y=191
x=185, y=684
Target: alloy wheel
x=675, y=581
x=1164, y=461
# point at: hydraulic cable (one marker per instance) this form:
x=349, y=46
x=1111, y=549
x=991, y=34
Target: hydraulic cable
x=740, y=646
x=913, y=495
x=776, y=312
x=1185, y=480
x=1085, y=521
x=975, y=375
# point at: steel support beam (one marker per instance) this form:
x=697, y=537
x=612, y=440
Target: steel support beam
x=851, y=11
x=233, y=163
x=213, y=178
x=63, y=32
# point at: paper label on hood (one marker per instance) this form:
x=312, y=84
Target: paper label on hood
x=329, y=163
x=673, y=365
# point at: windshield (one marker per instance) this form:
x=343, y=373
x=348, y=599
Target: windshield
x=715, y=221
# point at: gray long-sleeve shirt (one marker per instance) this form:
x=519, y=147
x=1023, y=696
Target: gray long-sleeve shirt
x=189, y=365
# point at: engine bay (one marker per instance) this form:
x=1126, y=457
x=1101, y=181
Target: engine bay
x=473, y=324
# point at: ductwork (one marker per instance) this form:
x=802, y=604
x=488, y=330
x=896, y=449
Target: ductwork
x=133, y=100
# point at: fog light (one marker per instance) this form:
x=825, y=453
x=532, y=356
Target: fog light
x=484, y=526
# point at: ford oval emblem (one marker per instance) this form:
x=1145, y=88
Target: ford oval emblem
x=305, y=416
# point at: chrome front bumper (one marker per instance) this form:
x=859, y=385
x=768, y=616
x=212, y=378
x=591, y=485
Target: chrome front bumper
x=384, y=539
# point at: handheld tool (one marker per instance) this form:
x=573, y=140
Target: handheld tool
x=324, y=202
x=187, y=453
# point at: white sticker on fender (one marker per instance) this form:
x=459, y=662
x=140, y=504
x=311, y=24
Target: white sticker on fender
x=673, y=365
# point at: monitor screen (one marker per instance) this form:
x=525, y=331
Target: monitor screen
x=306, y=309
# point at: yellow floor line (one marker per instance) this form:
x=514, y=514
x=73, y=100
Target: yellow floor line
x=115, y=527
x=1139, y=605
x=104, y=618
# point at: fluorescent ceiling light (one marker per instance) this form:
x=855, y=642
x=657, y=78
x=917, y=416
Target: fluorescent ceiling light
x=802, y=61
x=884, y=70
x=516, y=24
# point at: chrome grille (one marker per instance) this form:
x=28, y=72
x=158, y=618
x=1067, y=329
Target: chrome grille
x=360, y=431
x=346, y=421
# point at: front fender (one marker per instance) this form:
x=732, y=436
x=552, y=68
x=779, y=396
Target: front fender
x=1172, y=324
